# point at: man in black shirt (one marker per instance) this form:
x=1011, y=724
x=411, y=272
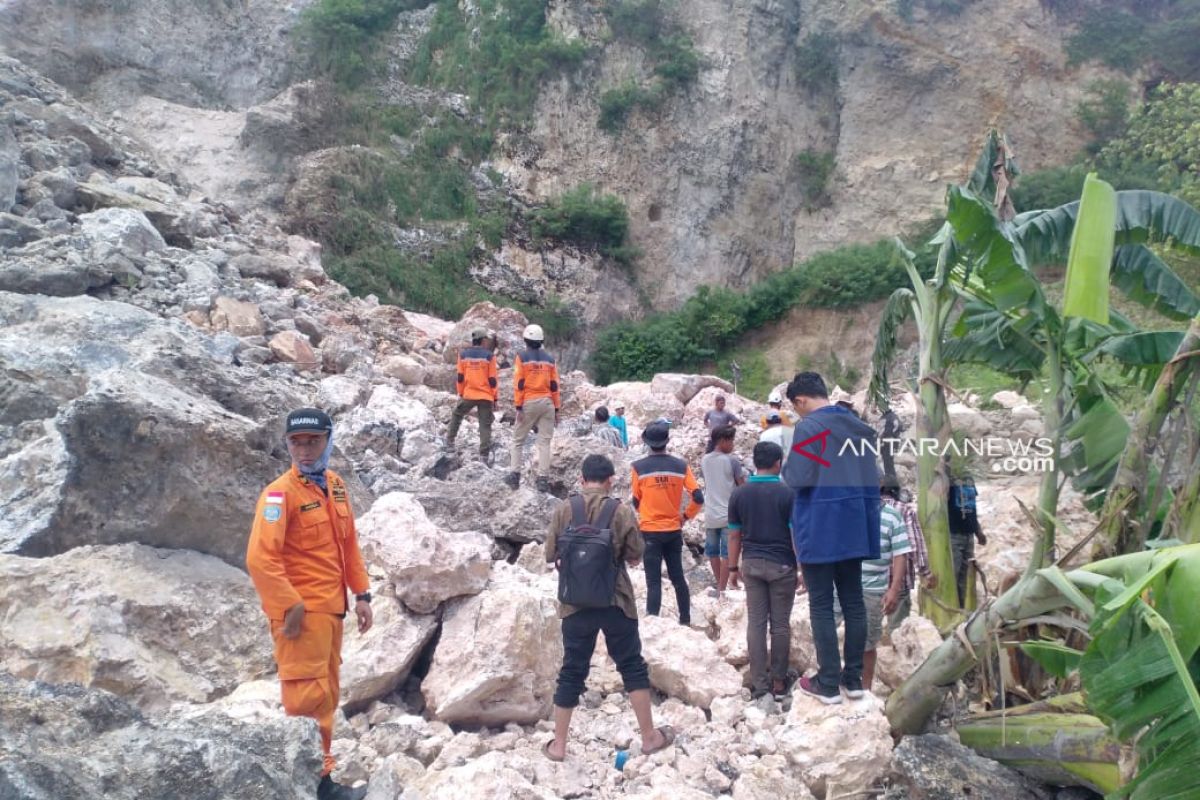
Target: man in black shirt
x=965, y=531
x=760, y=514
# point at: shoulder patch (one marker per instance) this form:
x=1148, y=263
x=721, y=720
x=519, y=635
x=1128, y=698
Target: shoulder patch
x=272, y=513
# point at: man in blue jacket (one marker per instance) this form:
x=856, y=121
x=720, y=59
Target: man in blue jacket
x=835, y=525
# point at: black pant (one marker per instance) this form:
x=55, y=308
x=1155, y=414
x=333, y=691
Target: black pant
x=666, y=547
x=821, y=580
x=579, y=632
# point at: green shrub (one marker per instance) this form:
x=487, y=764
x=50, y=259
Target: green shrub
x=340, y=36
x=1128, y=34
x=585, y=218
x=713, y=320
x=672, y=55
x=814, y=169
x=1105, y=112
x=817, y=63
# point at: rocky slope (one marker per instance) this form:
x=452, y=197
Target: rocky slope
x=151, y=342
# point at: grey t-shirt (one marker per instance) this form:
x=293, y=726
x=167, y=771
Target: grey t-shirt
x=721, y=472
x=719, y=419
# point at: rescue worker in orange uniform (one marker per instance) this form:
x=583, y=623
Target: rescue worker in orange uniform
x=303, y=556
x=659, y=482
x=477, y=387
x=536, y=397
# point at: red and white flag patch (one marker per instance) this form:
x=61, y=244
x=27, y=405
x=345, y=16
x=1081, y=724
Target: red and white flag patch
x=275, y=498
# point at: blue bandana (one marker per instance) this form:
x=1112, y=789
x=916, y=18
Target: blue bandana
x=316, y=472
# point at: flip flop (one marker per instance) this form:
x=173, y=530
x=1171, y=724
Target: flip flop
x=668, y=734
x=546, y=752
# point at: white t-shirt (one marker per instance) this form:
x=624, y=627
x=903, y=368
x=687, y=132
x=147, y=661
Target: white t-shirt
x=780, y=435
x=721, y=472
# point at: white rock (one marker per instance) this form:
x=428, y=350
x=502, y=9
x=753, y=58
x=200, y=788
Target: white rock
x=968, y=421
x=338, y=394
x=764, y=781
x=910, y=645
x=405, y=369
x=492, y=776
x=839, y=749
x=684, y=387
x=425, y=564
x=1009, y=399
x=1024, y=412
x=122, y=228
x=685, y=664
x=238, y=317
x=374, y=664
x=398, y=409
x=511, y=679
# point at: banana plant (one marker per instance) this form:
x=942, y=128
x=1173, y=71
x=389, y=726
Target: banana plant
x=1138, y=669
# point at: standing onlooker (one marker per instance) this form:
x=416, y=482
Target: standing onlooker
x=835, y=525
x=302, y=557
x=883, y=581
x=536, y=397
x=617, y=420
x=659, y=482
x=760, y=534
x=605, y=432
x=775, y=405
x=965, y=531
x=477, y=386
x=918, y=560
x=722, y=472
x=777, y=433
x=618, y=620
x=718, y=417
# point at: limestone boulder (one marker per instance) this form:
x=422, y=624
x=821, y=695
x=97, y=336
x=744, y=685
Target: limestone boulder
x=517, y=516
x=507, y=323
x=911, y=643
x=934, y=767
x=686, y=664
x=803, y=653
x=838, y=750
x=425, y=564
x=375, y=663
x=511, y=679
x=10, y=159
x=238, y=317
x=685, y=387
x=154, y=626
x=382, y=424
x=277, y=268
x=489, y=777
x=748, y=410
x=642, y=404
x=76, y=743
x=765, y=780
x=1009, y=399
x=123, y=229
x=968, y=421
x=292, y=347
x=338, y=394
x=405, y=369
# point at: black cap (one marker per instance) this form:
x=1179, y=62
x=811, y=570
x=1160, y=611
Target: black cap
x=656, y=434
x=773, y=417
x=308, y=420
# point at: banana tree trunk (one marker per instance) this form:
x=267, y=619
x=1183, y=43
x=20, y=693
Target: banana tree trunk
x=1049, y=489
x=933, y=422
x=1126, y=530
x=1062, y=749
x=911, y=705
x=1183, y=520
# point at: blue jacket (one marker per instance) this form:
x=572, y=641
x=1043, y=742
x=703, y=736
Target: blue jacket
x=619, y=424
x=835, y=516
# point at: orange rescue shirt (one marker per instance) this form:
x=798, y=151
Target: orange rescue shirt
x=535, y=375
x=304, y=546
x=478, y=378
x=659, y=481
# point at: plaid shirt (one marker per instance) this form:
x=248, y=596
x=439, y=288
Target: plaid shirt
x=919, y=563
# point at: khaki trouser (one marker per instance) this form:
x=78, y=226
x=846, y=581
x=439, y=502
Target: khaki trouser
x=486, y=415
x=537, y=413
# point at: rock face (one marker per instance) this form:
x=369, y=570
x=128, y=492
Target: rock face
x=154, y=626
x=910, y=645
x=512, y=680
x=937, y=768
x=685, y=664
x=840, y=749
x=71, y=743
x=425, y=565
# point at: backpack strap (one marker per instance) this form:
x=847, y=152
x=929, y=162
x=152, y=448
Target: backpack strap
x=607, y=512
x=578, y=511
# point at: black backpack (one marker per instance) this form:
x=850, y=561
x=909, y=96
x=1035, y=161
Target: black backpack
x=587, y=563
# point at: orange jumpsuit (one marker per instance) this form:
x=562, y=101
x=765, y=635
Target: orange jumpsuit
x=304, y=549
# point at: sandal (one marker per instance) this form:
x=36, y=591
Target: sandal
x=668, y=734
x=546, y=752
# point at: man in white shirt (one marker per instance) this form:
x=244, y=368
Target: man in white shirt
x=778, y=433
x=722, y=472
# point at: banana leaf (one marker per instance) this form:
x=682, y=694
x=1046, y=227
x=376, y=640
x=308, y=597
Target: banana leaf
x=996, y=256
x=1091, y=253
x=1145, y=278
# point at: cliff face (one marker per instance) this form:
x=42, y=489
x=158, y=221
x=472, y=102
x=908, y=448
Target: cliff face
x=710, y=176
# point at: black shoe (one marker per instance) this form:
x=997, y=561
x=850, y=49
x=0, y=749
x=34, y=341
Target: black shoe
x=512, y=480
x=853, y=689
x=328, y=790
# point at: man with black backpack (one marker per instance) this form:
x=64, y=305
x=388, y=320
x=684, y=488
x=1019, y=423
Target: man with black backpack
x=591, y=538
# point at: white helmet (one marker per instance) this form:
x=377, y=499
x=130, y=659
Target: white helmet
x=534, y=333
x=775, y=397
